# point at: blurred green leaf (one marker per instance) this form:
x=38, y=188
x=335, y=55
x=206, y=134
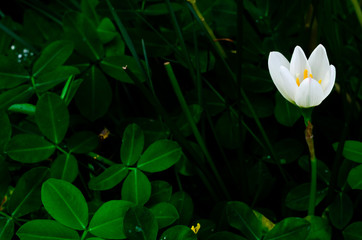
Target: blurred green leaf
x=52, y=117
x=227, y=129
x=19, y=94
x=29, y=148
x=47, y=230
x=320, y=228
x=25, y=108
x=5, y=130
x=184, y=205
x=106, y=30
x=48, y=80
x=26, y=195
x=352, y=150
x=159, y=156
x=52, y=56
x=285, y=112
x=225, y=235
x=5, y=178
x=353, y=231
x=116, y=47
x=64, y=167
x=179, y=232
x=132, y=144
x=241, y=217
x=341, y=211
x=6, y=229
x=115, y=67
x=263, y=105
x=94, y=95
x=181, y=121
x=161, y=191
x=88, y=8
x=109, y=178
x=140, y=224
x=165, y=214
x=161, y=9
x=82, y=142
x=108, y=221
x=136, y=187
x=355, y=177
x=12, y=73
x=256, y=80
x=79, y=29
x=323, y=171
x=288, y=150
x=289, y=228
x=65, y=203
x=298, y=197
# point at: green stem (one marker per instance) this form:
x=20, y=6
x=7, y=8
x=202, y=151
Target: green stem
x=84, y=234
x=313, y=164
x=194, y=128
x=358, y=11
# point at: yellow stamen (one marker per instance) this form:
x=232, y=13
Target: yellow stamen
x=320, y=81
x=305, y=74
x=298, y=83
x=310, y=75
x=196, y=229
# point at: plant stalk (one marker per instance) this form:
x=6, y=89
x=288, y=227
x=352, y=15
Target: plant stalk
x=313, y=164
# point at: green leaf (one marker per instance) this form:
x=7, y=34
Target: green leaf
x=257, y=79
x=12, y=73
x=132, y=144
x=353, y=231
x=181, y=121
x=109, y=178
x=321, y=229
x=341, y=211
x=94, y=95
x=115, y=67
x=184, y=205
x=136, y=188
x=83, y=142
x=106, y=30
x=262, y=105
x=116, y=47
x=52, y=117
x=48, y=80
x=165, y=214
x=161, y=191
x=285, y=112
x=179, y=232
x=160, y=156
x=323, y=171
x=79, y=29
x=227, y=130
x=225, y=235
x=72, y=90
x=19, y=94
x=5, y=130
x=25, y=108
x=65, y=203
x=241, y=217
x=29, y=148
x=6, y=229
x=107, y=222
x=298, y=197
x=352, y=150
x=288, y=150
x=140, y=224
x=88, y=8
x=64, y=167
x=290, y=228
x=26, y=195
x=5, y=178
x=47, y=230
x=53, y=56
x=355, y=177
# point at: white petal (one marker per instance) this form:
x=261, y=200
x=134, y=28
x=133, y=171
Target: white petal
x=329, y=80
x=309, y=93
x=318, y=62
x=289, y=84
x=299, y=63
x=275, y=61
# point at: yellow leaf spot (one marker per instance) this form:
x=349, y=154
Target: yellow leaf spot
x=196, y=229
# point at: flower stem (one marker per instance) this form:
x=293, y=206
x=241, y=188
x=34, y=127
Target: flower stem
x=313, y=164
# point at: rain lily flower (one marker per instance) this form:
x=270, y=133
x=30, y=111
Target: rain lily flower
x=305, y=83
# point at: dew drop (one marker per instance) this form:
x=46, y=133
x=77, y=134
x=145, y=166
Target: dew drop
x=20, y=56
x=138, y=229
x=12, y=47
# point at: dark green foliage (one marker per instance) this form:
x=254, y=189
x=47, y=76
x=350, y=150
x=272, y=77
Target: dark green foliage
x=144, y=120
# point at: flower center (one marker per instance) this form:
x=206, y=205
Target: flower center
x=305, y=75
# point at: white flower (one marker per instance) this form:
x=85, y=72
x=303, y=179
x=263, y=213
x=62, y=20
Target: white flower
x=305, y=83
